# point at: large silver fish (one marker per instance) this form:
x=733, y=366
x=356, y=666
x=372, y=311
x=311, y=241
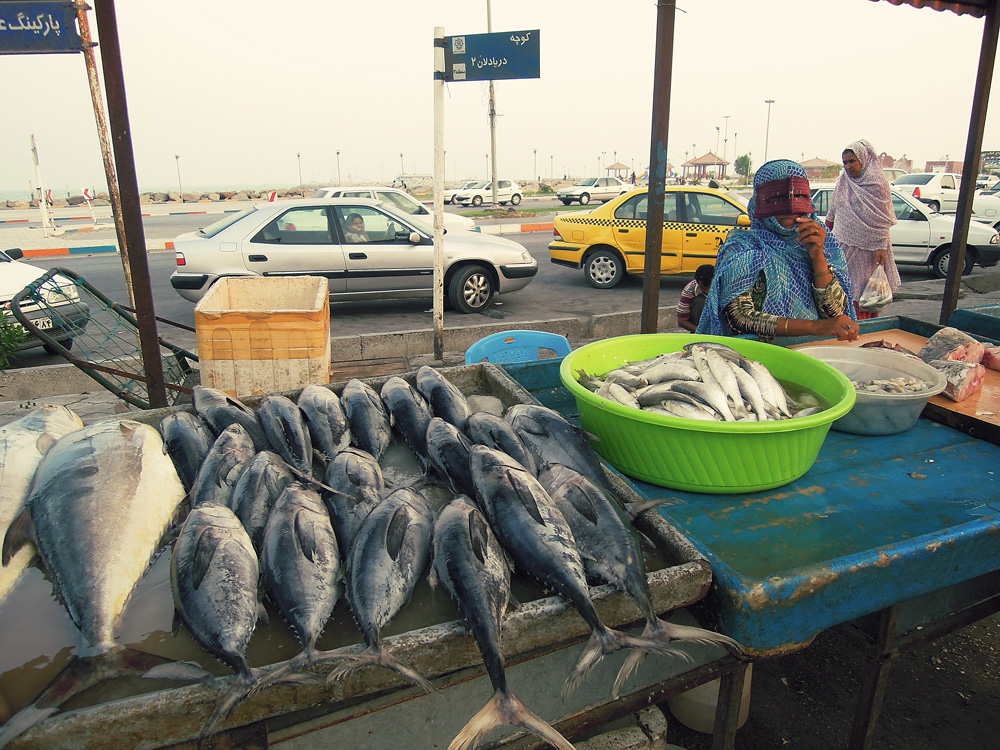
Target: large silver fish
x=367, y=416
x=383, y=566
x=448, y=450
x=219, y=410
x=470, y=563
x=229, y=455
x=355, y=479
x=410, y=415
x=301, y=567
x=539, y=539
x=496, y=432
x=214, y=576
x=102, y=500
x=553, y=439
x=23, y=444
x=187, y=440
x=444, y=397
x=260, y=485
x=611, y=552
x=286, y=431
x=325, y=417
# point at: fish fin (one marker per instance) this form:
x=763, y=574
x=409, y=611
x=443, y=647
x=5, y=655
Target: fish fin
x=176, y=670
x=46, y=440
x=22, y=721
x=663, y=630
x=226, y=704
x=175, y=625
x=262, y=614
x=305, y=536
x=506, y=710
x=204, y=551
x=20, y=532
x=512, y=602
x=377, y=657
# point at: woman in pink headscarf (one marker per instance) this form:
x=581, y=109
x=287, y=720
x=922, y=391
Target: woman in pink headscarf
x=860, y=215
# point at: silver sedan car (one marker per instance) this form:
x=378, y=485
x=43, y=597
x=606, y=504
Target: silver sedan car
x=366, y=250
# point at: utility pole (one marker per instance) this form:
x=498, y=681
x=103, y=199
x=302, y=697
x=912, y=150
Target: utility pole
x=767, y=132
x=493, y=109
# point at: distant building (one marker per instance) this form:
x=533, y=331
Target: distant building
x=817, y=167
x=944, y=166
x=893, y=163
x=703, y=166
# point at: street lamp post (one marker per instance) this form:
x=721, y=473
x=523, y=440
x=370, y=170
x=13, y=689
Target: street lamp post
x=551, y=164
x=600, y=160
x=298, y=156
x=716, y=139
x=180, y=188
x=402, y=170
x=487, y=165
x=767, y=132
x=338, y=168
x=536, y=163
x=725, y=135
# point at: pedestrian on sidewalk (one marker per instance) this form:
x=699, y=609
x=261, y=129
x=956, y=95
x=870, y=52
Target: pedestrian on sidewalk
x=860, y=216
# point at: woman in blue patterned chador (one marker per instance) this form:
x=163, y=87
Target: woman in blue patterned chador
x=785, y=276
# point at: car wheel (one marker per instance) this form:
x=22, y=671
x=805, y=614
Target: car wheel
x=934, y=206
x=941, y=259
x=477, y=200
x=515, y=199
x=566, y=203
x=604, y=269
x=471, y=289
x=584, y=199
x=49, y=349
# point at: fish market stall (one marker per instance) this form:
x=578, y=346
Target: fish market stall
x=896, y=537
x=542, y=638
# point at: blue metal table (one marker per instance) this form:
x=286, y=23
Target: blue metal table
x=897, y=535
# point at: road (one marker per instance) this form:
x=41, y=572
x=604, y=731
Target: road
x=556, y=292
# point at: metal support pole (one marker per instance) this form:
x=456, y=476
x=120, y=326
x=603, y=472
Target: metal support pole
x=43, y=206
x=493, y=112
x=439, y=71
x=767, y=132
x=665, y=12
x=973, y=148
x=114, y=81
x=105, y=138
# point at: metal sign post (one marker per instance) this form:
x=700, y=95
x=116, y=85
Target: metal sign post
x=473, y=57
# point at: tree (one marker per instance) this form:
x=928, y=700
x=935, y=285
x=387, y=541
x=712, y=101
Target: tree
x=743, y=165
x=11, y=336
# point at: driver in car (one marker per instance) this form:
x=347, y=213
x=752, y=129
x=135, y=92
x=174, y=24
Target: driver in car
x=356, y=229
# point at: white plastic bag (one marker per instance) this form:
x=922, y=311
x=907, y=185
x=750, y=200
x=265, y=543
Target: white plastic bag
x=877, y=293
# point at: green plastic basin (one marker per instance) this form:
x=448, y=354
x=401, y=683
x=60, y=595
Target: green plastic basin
x=700, y=456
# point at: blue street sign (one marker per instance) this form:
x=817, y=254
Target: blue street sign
x=486, y=57
x=42, y=27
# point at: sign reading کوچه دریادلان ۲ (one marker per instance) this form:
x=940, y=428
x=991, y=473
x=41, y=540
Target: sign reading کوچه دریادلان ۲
x=44, y=27
x=486, y=57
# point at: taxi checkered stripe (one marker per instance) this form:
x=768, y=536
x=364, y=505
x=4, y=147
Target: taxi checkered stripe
x=641, y=224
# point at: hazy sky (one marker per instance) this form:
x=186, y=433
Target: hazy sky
x=238, y=89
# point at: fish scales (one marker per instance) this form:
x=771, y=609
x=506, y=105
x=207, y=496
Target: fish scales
x=187, y=441
x=496, y=432
x=263, y=480
x=325, y=419
x=286, y=430
x=473, y=568
x=225, y=462
x=102, y=500
x=410, y=415
x=358, y=485
x=448, y=450
x=219, y=410
x=367, y=417
x=444, y=397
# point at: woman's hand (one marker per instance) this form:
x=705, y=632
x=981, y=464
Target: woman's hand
x=843, y=327
x=812, y=236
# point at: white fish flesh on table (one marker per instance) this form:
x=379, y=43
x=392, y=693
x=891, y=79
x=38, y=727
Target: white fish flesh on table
x=187, y=440
x=366, y=414
x=388, y=557
x=991, y=358
x=23, y=444
x=953, y=344
x=325, y=418
x=471, y=564
x=963, y=379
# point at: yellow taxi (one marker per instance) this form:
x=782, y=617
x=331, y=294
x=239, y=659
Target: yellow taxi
x=610, y=241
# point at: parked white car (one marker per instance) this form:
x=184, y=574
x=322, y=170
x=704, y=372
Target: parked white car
x=59, y=294
x=450, y=193
x=939, y=190
x=366, y=250
x=922, y=237
x=594, y=188
x=399, y=199
x=508, y=191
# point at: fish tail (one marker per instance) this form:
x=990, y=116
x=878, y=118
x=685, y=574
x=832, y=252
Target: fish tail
x=376, y=657
x=504, y=709
x=289, y=671
x=238, y=693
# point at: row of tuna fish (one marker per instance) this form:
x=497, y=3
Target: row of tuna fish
x=526, y=488
x=705, y=380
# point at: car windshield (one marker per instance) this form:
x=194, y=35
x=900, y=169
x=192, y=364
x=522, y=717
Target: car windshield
x=915, y=205
x=481, y=185
x=913, y=179
x=588, y=182
x=213, y=229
